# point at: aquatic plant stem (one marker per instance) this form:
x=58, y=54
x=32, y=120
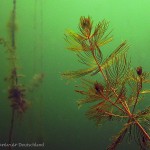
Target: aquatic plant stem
x=107, y=99
x=125, y=106
x=13, y=24
x=99, y=67
x=131, y=117
x=127, y=111
x=142, y=129
x=139, y=88
x=13, y=77
x=11, y=129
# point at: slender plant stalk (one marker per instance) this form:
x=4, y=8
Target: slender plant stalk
x=14, y=78
x=16, y=90
x=11, y=129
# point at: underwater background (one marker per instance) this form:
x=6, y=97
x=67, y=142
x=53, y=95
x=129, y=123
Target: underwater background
x=53, y=116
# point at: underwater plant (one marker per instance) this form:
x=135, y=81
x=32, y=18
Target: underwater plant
x=17, y=91
x=116, y=90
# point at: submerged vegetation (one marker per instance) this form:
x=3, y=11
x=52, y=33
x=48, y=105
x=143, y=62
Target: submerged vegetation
x=17, y=91
x=117, y=90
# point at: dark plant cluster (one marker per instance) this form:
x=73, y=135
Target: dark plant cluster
x=17, y=98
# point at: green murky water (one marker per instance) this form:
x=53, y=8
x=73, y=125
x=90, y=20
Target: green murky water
x=53, y=116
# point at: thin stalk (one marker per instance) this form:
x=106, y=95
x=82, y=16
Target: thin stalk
x=13, y=77
x=139, y=87
x=99, y=67
x=11, y=129
x=13, y=25
x=107, y=99
x=111, y=114
x=142, y=129
x=125, y=106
